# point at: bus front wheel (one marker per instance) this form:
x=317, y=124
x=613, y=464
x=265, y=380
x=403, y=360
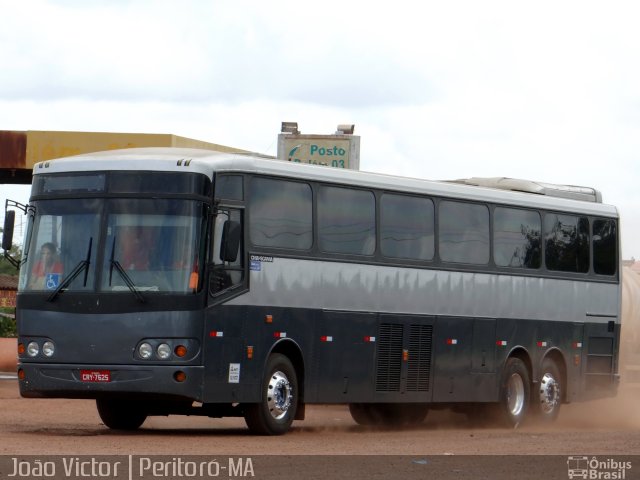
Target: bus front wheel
x=515, y=391
x=279, y=399
x=120, y=414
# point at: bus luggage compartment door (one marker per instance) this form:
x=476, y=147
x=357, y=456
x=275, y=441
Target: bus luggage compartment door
x=344, y=357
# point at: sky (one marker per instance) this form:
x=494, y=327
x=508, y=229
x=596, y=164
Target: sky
x=546, y=90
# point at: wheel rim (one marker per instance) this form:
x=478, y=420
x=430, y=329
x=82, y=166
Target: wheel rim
x=515, y=395
x=549, y=393
x=279, y=395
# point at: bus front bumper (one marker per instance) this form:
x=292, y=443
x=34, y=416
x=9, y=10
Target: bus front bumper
x=38, y=380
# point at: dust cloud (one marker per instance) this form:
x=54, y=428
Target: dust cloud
x=621, y=411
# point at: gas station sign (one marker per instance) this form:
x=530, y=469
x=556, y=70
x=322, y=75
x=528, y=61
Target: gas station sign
x=339, y=151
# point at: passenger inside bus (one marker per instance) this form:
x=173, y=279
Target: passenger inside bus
x=47, y=270
x=134, y=248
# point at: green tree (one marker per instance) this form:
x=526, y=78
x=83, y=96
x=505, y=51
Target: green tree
x=6, y=268
x=7, y=324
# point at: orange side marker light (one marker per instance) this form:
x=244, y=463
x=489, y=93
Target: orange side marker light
x=193, y=281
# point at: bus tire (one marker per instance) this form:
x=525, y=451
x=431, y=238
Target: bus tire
x=279, y=399
x=388, y=414
x=120, y=414
x=547, y=396
x=414, y=413
x=515, y=392
x=361, y=414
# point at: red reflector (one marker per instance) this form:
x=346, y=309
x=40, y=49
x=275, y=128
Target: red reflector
x=95, y=376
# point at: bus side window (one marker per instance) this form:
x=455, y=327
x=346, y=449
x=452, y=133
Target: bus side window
x=227, y=254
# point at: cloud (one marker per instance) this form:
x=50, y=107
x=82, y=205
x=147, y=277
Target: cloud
x=199, y=52
x=545, y=91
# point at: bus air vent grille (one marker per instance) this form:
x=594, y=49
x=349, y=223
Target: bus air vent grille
x=389, y=359
x=419, y=358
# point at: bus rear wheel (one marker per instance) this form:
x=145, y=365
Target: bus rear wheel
x=547, y=397
x=388, y=414
x=279, y=399
x=515, y=391
x=120, y=414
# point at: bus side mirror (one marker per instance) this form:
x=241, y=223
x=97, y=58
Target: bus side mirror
x=7, y=234
x=230, y=241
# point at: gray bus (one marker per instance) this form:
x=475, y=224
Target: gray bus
x=178, y=281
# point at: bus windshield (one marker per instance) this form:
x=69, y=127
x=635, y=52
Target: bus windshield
x=153, y=244
x=114, y=245
x=63, y=233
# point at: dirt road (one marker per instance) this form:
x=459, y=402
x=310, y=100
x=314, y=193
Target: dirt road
x=72, y=427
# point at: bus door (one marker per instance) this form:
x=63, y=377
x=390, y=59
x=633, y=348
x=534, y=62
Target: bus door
x=224, y=344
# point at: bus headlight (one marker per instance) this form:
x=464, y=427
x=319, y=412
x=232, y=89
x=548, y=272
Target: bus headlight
x=145, y=350
x=33, y=349
x=164, y=351
x=48, y=349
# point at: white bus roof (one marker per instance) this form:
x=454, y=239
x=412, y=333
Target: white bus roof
x=495, y=190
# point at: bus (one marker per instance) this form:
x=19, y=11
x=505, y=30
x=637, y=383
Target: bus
x=179, y=281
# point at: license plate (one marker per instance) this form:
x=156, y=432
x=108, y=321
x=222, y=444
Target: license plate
x=95, y=375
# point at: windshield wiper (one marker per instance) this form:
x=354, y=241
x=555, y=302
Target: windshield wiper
x=66, y=281
x=114, y=263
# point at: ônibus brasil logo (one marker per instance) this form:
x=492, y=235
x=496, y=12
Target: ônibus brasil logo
x=597, y=469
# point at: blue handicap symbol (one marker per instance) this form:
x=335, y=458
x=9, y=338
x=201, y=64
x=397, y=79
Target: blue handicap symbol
x=51, y=281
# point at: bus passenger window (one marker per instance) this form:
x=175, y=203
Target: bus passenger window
x=566, y=243
x=464, y=232
x=406, y=227
x=346, y=221
x=516, y=238
x=280, y=214
x=605, y=242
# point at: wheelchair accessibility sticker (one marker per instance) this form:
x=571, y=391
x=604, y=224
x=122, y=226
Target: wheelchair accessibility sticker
x=51, y=281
